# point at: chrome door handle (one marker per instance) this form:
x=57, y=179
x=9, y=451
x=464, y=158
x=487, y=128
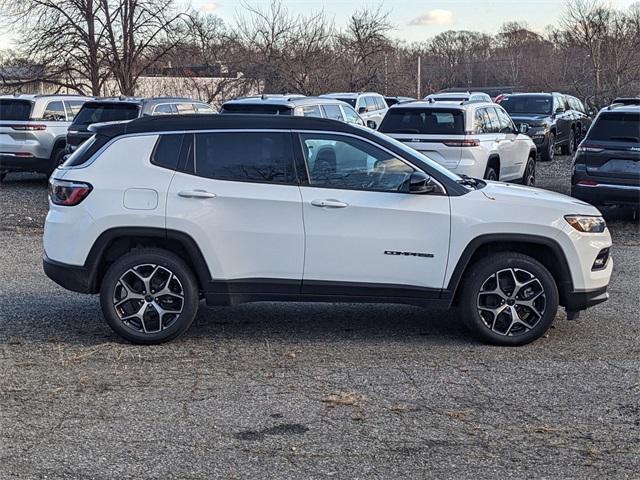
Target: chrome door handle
x=196, y=194
x=329, y=203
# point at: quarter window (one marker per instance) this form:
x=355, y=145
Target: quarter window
x=54, y=112
x=167, y=151
x=265, y=157
x=341, y=162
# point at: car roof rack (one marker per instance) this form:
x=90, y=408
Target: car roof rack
x=626, y=101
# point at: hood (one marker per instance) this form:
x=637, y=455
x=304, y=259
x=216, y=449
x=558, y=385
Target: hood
x=514, y=195
x=530, y=118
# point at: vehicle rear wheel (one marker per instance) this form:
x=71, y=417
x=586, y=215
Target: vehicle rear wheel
x=529, y=177
x=508, y=299
x=57, y=159
x=569, y=148
x=491, y=173
x=548, y=153
x=149, y=296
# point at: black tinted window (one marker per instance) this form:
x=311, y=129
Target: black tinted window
x=616, y=127
x=423, y=121
x=105, y=112
x=245, y=156
x=256, y=109
x=167, y=151
x=536, y=104
x=86, y=151
x=14, y=109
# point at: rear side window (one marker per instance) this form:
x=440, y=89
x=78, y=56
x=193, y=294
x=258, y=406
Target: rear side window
x=105, y=112
x=310, y=111
x=184, y=108
x=265, y=157
x=380, y=103
x=54, y=112
x=494, y=121
x=423, y=121
x=616, y=127
x=86, y=151
x=333, y=112
x=163, y=109
x=167, y=151
x=481, y=122
x=11, y=109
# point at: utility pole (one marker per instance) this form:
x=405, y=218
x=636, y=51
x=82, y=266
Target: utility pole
x=419, y=77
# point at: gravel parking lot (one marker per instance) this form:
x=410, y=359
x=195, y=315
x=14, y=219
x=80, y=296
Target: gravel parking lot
x=272, y=390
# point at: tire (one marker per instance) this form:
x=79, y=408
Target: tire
x=569, y=148
x=139, y=271
x=57, y=159
x=529, y=176
x=537, y=287
x=550, y=152
x=491, y=173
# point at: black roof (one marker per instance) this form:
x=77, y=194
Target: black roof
x=165, y=123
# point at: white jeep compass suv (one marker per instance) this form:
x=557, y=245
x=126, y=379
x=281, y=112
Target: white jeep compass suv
x=472, y=138
x=161, y=212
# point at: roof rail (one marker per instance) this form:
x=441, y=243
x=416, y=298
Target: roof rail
x=626, y=101
x=471, y=100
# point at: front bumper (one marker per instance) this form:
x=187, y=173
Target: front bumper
x=582, y=299
x=71, y=277
x=11, y=163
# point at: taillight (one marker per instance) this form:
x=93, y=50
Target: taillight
x=30, y=127
x=471, y=142
x=590, y=148
x=68, y=193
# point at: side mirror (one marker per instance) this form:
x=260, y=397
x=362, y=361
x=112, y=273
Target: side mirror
x=420, y=182
x=362, y=110
x=559, y=110
x=371, y=124
x=524, y=128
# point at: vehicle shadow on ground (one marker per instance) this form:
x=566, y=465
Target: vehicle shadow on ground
x=77, y=320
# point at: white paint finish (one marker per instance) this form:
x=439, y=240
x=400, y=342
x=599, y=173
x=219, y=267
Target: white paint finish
x=140, y=199
x=248, y=230
x=348, y=244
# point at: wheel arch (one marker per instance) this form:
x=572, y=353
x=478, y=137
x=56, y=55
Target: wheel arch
x=115, y=242
x=60, y=143
x=494, y=159
x=543, y=249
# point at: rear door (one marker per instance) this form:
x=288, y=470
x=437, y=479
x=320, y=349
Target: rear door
x=514, y=151
x=237, y=196
x=363, y=235
x=613, y=144
x=563, y=119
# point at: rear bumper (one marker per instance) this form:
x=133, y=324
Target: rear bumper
x=607, y=193
x=581, y=300
x=9, y=162
x=70, y=277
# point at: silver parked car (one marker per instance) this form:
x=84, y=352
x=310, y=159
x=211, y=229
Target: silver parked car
x=33, y=131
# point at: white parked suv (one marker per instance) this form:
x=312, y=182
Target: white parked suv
x=476, y=139
x=161, y=212
x=458, y=97
x=371, y=106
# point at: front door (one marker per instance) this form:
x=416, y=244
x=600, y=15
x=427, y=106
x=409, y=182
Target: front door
x=363, y=236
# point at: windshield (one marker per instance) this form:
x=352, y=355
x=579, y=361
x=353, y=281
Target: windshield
x=105, y=112
x=11, y=109
x=620, y=127
x=414, y=154
x=423, y=121
x=533, y=104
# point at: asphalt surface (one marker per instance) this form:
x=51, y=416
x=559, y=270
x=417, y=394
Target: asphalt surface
x=273, y=390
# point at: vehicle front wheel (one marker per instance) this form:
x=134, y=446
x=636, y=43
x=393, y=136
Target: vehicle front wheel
x=548, y=153
x=508, y=299
x=529, y=177
x=149, y=296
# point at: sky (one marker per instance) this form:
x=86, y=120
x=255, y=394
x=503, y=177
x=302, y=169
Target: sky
x=414, y=20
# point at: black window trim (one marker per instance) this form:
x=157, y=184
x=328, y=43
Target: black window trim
x=152, y=158
x=300, y=152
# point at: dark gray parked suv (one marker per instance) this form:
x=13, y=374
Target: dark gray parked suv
x=127, y=108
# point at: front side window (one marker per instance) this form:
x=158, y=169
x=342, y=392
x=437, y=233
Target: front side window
x=54, y=112
x=333, y=112
x=370, y=103
x=204, y=108
x=336, y=161
x=350, y=115
x=265, y=157
x=506, y=125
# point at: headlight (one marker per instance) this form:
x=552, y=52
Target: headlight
x=587, y=224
